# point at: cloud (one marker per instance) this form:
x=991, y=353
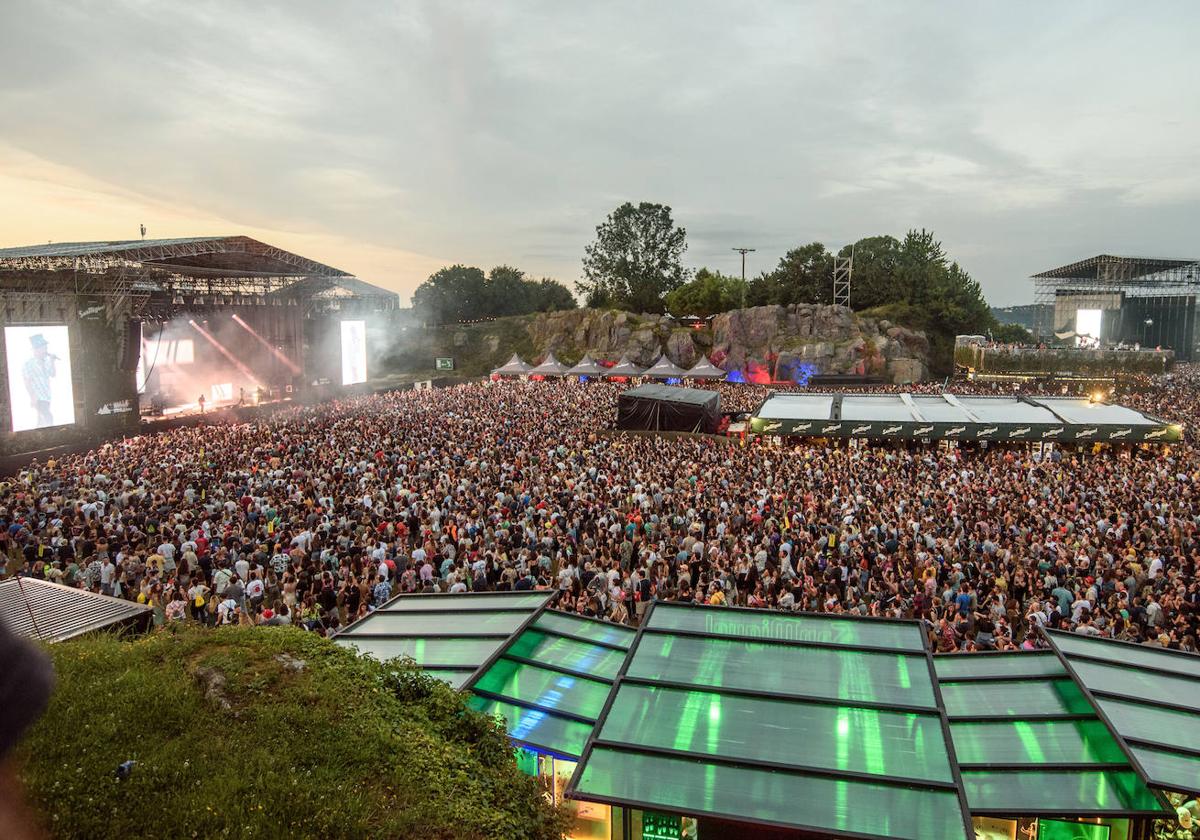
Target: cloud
x=494, y=133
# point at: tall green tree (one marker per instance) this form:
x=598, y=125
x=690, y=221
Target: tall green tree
x=454, y=293
x=804, y=275
x=708, y=293
x=875, y=261
x=635, y=260
x=465, y=293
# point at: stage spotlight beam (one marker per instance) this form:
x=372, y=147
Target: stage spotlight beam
x=245, y=371
x=292, y=366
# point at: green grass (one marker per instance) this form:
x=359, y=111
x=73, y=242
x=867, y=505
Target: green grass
x=345, y=747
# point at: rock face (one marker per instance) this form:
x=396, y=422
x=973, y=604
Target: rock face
x=776, y=342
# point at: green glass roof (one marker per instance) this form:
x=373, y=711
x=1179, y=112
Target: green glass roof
x=550, y=688
x=1058, y=792
x=783, y=732
x=1171, y=770
x=543, y=688
x=761, y=795
x=834, y=674
x=1035, y=742
x=774, y=626
x=597, y=631
x=449, y=636
x=466, y=601
x=1009, y=665
x=571, y=655
x=820, y=724
x=549, y=732
x=466, y=653
x=1151, y=698
x=1120, y=653
x=1018, y=698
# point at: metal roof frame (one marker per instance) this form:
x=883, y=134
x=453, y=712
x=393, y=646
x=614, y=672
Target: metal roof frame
x=623, y=677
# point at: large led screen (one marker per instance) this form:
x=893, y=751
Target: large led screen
x=354, y=352
x=39, y=377
x=1087, y=327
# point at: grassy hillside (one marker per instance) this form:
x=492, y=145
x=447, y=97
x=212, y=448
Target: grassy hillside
x=267, y=732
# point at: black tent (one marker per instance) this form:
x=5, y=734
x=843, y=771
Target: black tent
x=662, y=408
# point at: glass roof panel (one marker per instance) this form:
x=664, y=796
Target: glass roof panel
x=1035, y=742
x=1019, y=698
x=1125, y=654
x=1060, y=792
x=1152, y=723
x=841, y=675
x=596, y=661
x=465, y=652
x=692, y=787
x=541, y=729
x=466, y=623
x=1015, y=665
x=420, y=603
x=1171, y=770
x=597, y=631
x=545, y=689
x=455, y=679
x=1146, y=685
x=791, y=628
x=780, y=731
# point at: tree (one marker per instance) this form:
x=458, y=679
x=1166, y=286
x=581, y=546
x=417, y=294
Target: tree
x=464, y=293
x=456, y=293
x=551, y=296
x=709, y=293
x=1011, y=334
x=804, y=275
x=873, y=279
x=635, y=260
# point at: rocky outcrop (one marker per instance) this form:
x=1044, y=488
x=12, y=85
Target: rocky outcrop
x=782, y=342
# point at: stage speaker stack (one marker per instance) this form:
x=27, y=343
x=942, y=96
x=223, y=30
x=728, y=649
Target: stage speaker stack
x=129, y=345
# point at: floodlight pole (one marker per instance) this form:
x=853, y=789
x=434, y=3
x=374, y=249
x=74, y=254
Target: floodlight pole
x=743, y=252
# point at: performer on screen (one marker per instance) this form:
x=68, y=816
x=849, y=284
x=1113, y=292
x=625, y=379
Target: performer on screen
x=37, y=372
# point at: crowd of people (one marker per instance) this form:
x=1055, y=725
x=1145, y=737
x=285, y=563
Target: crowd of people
x=317, y=515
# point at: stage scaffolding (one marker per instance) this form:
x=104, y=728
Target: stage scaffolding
x=158, y=278
x=1144, y=300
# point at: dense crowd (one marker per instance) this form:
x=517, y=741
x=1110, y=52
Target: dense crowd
x=317, y=515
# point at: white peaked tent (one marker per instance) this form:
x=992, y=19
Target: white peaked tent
x=513, y=367
x=550, y=366
x=624, y=368
x=664, y=368
x=704, y=369
x=586, y=367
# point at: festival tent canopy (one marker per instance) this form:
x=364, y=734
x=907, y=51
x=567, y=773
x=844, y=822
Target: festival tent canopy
x=586, y=367
x=513, y=367
x=664, y=368
x=550, y=366
x=665, y=408
x=962, y=417
x=448, y=636
x=704, y=369
x=624, y=368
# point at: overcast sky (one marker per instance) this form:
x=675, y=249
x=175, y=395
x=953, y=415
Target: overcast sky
x=389, y=139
